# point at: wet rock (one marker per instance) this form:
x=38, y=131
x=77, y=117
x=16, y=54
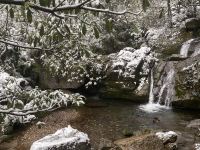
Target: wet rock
x=176, y=57
x=142, y=142
x=192, y=24
x=167, y=137
x=156, y=120
x=40, y=124
x=172, y=146
x=66, y=138
x=194, y=124
x=187, y=84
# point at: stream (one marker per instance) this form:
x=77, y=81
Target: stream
x=108, y=119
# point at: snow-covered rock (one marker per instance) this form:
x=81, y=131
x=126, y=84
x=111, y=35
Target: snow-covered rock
x=197, y=146
x=127, y=74
x=63, y=139
x=167, y=137
x=194, y=124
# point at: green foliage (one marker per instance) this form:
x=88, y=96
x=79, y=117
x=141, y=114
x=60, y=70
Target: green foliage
x=161, y=13
x=45, y=2
x=135, y=28
x=96, y=32
x=145, y=4
x=29, y=16
x=11, y=13
x=42, y=30
x=109, y=25
x=84, y=29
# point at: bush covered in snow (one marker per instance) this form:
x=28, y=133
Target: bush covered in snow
x=19, y=102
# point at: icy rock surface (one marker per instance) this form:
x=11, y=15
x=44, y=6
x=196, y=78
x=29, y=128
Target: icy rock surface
x=63, y=139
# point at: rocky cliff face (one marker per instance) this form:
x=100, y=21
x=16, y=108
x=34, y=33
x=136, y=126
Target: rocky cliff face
x=187, y=85
x=185, y=93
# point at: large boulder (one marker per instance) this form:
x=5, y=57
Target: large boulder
x=192, y=25
x=167, y=41
x=184, y=91
x=127, y=75
x=194, y=124
x=64, y=139
x=144, y=142
x=154, y=141
x=187, y=84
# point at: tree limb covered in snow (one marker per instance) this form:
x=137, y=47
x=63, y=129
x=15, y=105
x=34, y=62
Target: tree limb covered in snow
x=21, y=46
x=58, y=8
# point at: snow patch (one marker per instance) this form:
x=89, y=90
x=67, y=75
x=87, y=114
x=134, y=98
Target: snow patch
x=165, y=136
x=197, y=146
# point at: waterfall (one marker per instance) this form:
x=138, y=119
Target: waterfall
x=151, y=106
x=165, y=93
x=151, y=95
x=185, y=48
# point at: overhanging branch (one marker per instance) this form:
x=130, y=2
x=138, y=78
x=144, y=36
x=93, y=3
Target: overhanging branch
x=53, y=10
x=21, y=46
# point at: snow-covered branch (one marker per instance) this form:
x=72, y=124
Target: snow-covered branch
x=58, y=8
x=21, y=46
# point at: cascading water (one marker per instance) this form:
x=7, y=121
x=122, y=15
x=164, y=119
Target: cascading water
x=151, y=95
x=185, y=48
x=165, y=93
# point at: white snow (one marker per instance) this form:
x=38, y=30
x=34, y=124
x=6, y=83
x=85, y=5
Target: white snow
x=63, y=136
x=197, y=146
x=153, y=34
x=166, y=135
x=129, y=59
